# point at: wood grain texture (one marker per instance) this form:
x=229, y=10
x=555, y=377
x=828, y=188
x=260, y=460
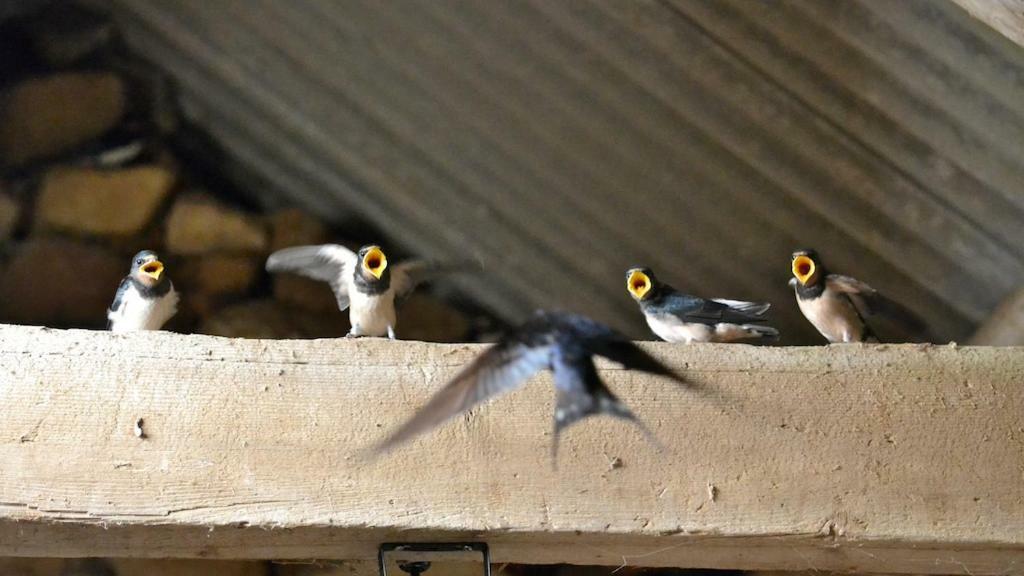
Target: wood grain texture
x=563, y=142
x=132, y=567
x=1005, y=16
x=885, y=458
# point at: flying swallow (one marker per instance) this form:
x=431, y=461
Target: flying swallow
x=561, y=342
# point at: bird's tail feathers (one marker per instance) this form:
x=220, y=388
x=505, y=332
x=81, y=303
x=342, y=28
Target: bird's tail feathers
x=755, y=308
x=900, y=313
x=571, y=408
x=762, y=333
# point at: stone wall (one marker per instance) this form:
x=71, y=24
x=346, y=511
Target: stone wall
x=96, y=164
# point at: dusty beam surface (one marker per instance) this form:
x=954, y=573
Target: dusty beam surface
x=887, y=458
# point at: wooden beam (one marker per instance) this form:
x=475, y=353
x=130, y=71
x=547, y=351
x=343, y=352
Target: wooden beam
x=135, y=567
x=1005, y=327
x=904, y=459
x=1004, y=16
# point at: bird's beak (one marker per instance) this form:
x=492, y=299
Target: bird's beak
x=154, y=269
x=803, y=269
x=375, y=262
x=638, y=284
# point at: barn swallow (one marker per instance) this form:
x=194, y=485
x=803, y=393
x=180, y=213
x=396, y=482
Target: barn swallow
x=678, y=317
x=145, y=299
x=363, y=282
x=838, y=305
x=561, y=342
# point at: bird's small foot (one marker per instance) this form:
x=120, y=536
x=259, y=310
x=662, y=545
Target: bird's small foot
x=391, y=333
x=351, y=335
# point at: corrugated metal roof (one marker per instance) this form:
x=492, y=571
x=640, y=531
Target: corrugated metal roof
x=562, y=142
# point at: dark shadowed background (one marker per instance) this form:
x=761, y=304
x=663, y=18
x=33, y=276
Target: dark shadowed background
x=562, y=142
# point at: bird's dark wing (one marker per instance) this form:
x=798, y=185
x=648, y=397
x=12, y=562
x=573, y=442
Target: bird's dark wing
x=869, y=301
x=500, y=369
x=698, y=310
x=755, y=309
x=329, y=263
x=596, y=338
x=118, y=299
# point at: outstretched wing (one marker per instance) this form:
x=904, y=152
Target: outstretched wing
x=331, y=263
x=499, y=369
x=869, y=301
x=406, y=276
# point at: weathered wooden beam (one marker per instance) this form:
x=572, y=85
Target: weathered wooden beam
x=1005, y=16
x=134, y=567
x=887, y=458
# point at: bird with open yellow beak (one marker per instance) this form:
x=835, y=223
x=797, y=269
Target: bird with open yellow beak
x=146, y=299
x=838, y=306
x=678, y=317
x=363, y=282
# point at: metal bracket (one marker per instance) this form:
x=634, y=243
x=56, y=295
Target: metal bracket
x=417, y=567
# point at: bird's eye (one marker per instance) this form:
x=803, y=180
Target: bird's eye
x=139, y=262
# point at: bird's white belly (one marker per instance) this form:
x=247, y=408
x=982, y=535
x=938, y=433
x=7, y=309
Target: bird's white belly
x=671, y=329
x=834, y=317
x=138, y=313
x=371, y=315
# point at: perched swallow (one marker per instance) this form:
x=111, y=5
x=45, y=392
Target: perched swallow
x=561, y=342
x=363, y=282
x=146, y=299
x=838, y=305
x=678, y=317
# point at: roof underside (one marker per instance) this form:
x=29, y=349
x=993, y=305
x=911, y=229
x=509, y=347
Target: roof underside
x=562, y=142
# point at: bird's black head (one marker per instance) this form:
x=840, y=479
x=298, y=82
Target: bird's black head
x=641, y=283
x=148, y=269
x=373, y=264
x=807, y=267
